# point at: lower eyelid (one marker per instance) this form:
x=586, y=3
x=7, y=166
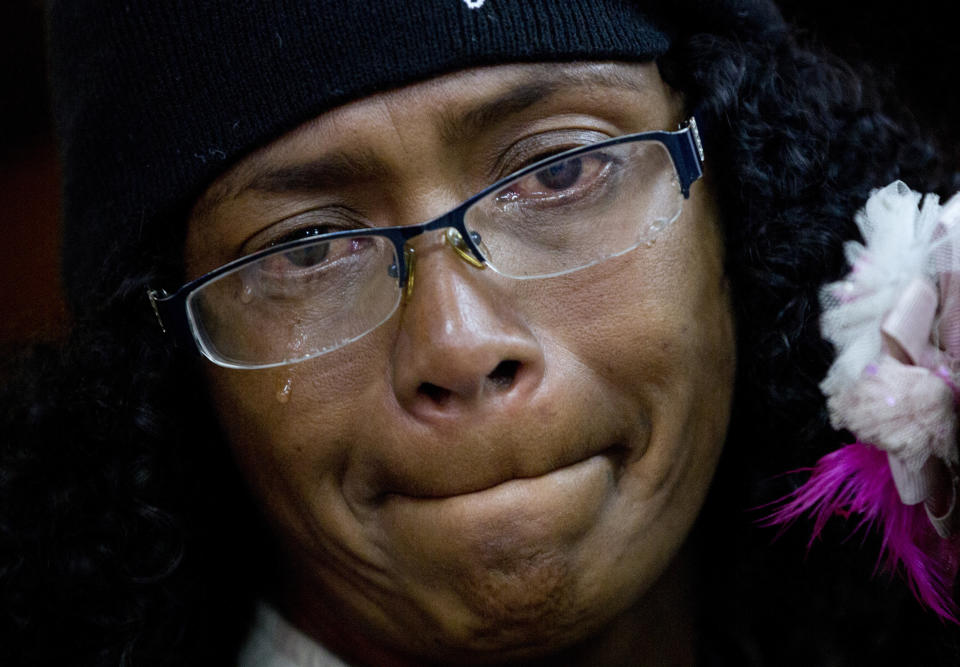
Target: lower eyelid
x=340, y=252
x=596, y=173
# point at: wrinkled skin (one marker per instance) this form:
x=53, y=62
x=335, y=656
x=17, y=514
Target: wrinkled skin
x=431, y=501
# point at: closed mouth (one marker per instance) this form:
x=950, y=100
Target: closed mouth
x=615, y=453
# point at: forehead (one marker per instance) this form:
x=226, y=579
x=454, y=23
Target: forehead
x=452, y=109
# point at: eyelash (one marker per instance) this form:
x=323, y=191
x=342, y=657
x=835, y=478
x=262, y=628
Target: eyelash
x=309, y=223
x=300, y=233
x=530, y=150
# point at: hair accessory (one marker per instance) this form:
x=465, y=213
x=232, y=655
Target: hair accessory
x=895, y=323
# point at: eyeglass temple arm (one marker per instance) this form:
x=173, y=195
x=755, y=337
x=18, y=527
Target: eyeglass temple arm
x=688, y=157
x=172, y=317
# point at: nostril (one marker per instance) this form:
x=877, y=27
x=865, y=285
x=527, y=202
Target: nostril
x=437, y=394
x=504, y=374
x=500, y=378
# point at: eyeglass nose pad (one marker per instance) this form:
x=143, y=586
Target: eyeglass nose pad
x=453, y=237
x=411, y=259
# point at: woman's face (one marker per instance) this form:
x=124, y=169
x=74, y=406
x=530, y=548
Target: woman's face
x=504, y=466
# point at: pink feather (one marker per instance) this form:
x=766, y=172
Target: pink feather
x=856, y=479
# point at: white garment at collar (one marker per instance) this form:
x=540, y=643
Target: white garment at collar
x=273, y=642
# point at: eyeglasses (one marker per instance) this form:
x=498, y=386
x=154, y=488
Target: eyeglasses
x=307, y=297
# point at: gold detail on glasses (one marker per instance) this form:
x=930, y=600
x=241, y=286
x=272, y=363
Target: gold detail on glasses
x=411, y=258
x=453, y=237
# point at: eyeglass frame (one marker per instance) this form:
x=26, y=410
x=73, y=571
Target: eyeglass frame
x=686, y=153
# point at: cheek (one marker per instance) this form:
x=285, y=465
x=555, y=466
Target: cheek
x=656, y=326
x=654, y=321
x=292, y=429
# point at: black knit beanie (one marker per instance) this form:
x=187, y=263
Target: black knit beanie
x=153, y=99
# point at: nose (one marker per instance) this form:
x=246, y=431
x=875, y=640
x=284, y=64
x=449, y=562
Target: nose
x=462, y=345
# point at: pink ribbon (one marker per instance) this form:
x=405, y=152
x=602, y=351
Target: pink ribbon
x=906, y=328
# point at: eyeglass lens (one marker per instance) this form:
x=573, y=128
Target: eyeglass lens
x=578, y=211
x=574, y=212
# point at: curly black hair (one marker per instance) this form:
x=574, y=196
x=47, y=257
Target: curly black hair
x=802, y=142
x=127, y=538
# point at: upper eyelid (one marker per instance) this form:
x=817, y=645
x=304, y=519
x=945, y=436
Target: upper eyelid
x=533, y=148
x=271, y=233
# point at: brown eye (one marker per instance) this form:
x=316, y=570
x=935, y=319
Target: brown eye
x=561, y=175
x=309, y=256
x=562, y=181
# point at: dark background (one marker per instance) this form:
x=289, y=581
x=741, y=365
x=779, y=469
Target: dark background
x=909, y=41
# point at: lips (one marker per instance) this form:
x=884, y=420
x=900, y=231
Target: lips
x=496, y=478
x=420, y=459
x=503, y=526
x=613, y=453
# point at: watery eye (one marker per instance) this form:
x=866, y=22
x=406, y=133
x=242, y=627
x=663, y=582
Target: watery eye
x=320, y=255
x=561, y=175
x=566, y=180
x=309, y=256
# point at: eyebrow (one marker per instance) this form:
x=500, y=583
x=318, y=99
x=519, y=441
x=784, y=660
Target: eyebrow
x=330, y=171
x=489, y=113
x=545, y=81
x=339, y=169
